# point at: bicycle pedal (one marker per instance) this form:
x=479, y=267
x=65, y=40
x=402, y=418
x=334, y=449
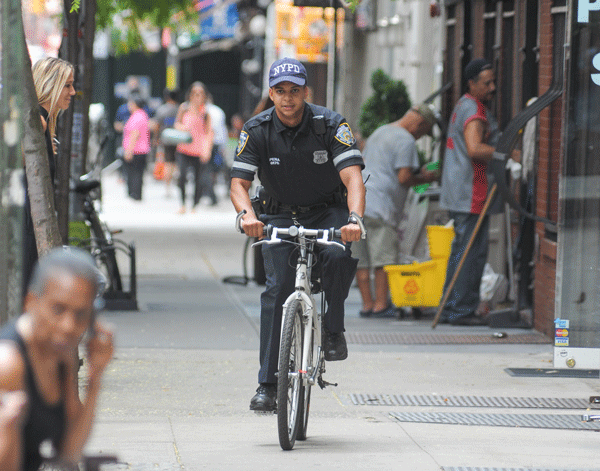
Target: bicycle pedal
x=264, y=413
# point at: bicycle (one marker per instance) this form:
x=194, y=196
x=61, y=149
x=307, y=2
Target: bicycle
x=301, y=359
x=101, y=244
x=99, y=240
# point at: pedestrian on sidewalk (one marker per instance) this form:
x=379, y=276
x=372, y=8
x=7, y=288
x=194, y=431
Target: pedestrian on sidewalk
x=164, y=118
x=39, y=356
x=195, y=156
x=136, y=146
x=472, y=136
x=217, y=159
x=306, y=158
x=391, y=159
x=53, y=80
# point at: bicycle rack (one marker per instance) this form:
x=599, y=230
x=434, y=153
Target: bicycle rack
x=123, y=300
x=118, y=300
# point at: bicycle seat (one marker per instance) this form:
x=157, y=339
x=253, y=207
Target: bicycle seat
x=85, y=186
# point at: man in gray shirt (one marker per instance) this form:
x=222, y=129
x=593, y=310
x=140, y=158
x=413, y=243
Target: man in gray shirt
x=391, y=159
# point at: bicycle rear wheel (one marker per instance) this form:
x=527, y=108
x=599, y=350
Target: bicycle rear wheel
x=290, y=393
x=105, y=253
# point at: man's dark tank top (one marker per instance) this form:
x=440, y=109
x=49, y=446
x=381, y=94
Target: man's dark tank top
x=43, y=422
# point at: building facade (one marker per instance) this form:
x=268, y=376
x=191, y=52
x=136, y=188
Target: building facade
x=548, y=50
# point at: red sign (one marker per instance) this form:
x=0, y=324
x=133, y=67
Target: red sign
x=411, y=287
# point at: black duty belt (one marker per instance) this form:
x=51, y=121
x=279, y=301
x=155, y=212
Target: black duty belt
x=303, y=209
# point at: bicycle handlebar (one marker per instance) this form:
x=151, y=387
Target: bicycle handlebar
x=320, y=236
x=295, y=231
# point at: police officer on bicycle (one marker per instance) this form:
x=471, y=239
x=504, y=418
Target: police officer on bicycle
x=308, y=162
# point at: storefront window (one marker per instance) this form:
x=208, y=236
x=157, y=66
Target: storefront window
x=578, y=269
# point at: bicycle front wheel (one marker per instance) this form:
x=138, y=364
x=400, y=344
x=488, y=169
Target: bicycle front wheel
x=305, y=402
x=290, y=392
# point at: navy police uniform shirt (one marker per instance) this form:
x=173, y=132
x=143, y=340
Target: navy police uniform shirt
x=297, y=166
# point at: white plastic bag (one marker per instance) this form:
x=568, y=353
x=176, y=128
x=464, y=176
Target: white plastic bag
x=490, y=283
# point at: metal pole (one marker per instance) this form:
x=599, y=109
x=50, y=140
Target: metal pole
x=331, y=57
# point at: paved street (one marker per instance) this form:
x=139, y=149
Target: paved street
x=176, y=395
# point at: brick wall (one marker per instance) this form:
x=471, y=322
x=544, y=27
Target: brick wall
x=550, y=126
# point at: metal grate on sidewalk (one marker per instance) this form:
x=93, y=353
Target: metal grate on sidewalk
x=403, y=338
x=462, y=468
x=563, y=422
x=468, y=401
x=141, y=467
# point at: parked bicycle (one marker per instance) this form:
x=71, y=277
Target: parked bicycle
x=301, y=358
x=102, y=244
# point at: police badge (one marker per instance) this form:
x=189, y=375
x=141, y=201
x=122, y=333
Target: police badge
x=344, y=134
x=320, y=156
x=241, y=142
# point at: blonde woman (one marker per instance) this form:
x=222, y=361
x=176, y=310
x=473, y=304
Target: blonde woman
x=53, y=80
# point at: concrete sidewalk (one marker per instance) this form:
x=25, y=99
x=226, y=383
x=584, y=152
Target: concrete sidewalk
x=176, y=395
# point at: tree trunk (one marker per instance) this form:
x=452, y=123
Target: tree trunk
x=87, y=80
x=69, y=52
x=41, y=194
x=11, y=164
x=77, y=48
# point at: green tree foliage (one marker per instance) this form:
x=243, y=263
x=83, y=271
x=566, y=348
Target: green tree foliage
x=388, y=103
x=158, y=12
x=177, y=14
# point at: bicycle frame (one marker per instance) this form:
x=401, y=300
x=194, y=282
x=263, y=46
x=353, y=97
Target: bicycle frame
x=306, y=240
x=312, y=315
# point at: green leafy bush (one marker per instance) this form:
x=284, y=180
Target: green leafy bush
x=389, y=102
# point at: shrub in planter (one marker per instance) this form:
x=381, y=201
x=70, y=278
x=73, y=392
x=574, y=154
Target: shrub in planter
x=388, y=103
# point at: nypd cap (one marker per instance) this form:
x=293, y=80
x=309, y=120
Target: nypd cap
x=287, y=70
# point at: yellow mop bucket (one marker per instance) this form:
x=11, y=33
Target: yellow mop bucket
x=440, y=241
x=422, y=283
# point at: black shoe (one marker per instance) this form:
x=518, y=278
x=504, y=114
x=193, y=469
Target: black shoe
x=265, y=398
x=471, y=320
x=366, y=313
x=334, y=346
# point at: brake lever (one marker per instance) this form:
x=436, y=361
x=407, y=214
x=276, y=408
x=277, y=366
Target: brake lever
x=325, y=240
x=273, y=240
x=363, y=229
x=238, y=221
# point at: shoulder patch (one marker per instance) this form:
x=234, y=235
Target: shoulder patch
x=344, y=134
x=241, y=143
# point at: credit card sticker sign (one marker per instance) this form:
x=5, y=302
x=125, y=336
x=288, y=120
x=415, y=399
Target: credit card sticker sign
x=561, y=333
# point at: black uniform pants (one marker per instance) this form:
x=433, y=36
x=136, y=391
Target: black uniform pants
x=338, y=272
